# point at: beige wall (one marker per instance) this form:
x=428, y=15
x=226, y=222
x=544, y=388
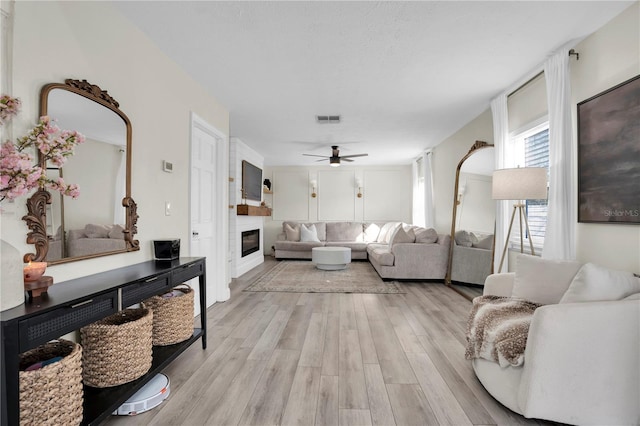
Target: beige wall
x=607, y=57
x=446, y=157
x=90, y=40
x=386, y=195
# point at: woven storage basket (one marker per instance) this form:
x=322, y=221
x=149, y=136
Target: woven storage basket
x=172, y=317
x=117, y=349
x=52, y=395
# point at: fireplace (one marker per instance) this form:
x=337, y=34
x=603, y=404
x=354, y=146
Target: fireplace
x=250, y=242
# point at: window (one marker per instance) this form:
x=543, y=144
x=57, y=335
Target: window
x=530, y=148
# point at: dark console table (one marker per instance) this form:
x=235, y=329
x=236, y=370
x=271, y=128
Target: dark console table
x=73, y=304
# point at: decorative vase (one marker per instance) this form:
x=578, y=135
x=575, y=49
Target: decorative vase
x=11, y=280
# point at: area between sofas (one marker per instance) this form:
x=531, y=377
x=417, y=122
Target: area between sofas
x=396, y=250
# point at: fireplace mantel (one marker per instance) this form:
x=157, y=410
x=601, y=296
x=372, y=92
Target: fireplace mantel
x=247, y=210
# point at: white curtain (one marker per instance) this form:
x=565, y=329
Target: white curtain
x=422, y=172
x=418, y=192
x=120, y=189
x=429, y=213
x=559, y=240
x=500, y=140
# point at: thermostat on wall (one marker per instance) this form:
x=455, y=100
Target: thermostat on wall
x=150, y=396
x=167, y=166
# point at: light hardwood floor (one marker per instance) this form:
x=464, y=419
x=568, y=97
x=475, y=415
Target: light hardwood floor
x=329, y=359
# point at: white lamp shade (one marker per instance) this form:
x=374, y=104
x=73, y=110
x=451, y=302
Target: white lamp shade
x=526, y=183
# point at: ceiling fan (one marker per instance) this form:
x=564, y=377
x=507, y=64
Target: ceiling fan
x=335, y=158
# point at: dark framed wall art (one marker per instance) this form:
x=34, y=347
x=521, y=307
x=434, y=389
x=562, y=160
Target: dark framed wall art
x=609, y=155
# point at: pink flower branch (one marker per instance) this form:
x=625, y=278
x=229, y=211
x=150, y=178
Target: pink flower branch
x=18, y=173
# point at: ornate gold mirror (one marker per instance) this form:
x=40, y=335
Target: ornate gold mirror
x=102, y=220
x=473, y=222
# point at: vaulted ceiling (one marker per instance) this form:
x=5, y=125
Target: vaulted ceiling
x=403, y=76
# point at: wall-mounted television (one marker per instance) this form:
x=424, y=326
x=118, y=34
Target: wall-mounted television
x=251, y=181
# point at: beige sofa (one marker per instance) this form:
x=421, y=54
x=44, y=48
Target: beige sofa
x=330, y=234
x=582, y=356
x=95, y=239
x=396, y=251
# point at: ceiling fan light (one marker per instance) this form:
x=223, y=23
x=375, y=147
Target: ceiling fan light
x=334, y=161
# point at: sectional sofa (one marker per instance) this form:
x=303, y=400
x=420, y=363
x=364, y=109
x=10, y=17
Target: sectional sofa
x=396, y=250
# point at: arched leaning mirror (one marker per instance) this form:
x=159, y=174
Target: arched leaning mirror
x=102, y=220
x=473, y=222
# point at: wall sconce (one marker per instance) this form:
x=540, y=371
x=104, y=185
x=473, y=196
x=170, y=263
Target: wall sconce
x=359, y=185
x=313, y=184
x=461, y=192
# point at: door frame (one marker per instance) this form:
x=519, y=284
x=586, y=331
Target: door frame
x=220, y=275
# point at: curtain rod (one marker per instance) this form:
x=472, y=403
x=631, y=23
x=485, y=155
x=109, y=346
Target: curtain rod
x=525, y=83
x=572, y=52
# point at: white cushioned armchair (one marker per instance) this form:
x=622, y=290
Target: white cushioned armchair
x=582, y=359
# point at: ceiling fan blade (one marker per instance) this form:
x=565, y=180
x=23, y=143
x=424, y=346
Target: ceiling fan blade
x=346, y=159
x=324, y=159
x=355, y=155
x=313, y=155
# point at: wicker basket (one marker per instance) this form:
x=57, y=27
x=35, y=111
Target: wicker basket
x=117, y=349
x=172, y=317
x=53, y=394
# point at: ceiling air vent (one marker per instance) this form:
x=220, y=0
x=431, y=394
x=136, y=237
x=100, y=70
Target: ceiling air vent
x=322, y=119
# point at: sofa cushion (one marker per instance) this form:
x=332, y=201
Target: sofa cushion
x=321, y=230
x=594, y=283
x=410, y=230
x=386, y=231
x=382, y=256
x=425, y=236
x=344, y=231
x=371, y=232
x=634, y=296
x=372, y=246
x=297, y=245
x=400, y=236
x=117, y=232
x=465, y=238
x=353, y=245
x=308, y=233
x=292, y=232
x=542, y=281
x=484, y=243
x=92, y=230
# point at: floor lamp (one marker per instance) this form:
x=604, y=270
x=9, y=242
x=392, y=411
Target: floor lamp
x=526, y=183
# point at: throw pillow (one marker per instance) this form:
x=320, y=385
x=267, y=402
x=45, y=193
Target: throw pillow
x=410, y=230
x=400, y=236
x=309, y=233
x=542, y=281
x=595, y=283
x=293, y=233
x=463, y=238
x=371, y=232
x=485, y=243
x=386, y=231
x=117, y=232
x=426, y=236
x=96, y=231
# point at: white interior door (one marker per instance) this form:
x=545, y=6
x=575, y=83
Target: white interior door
x=207, y=206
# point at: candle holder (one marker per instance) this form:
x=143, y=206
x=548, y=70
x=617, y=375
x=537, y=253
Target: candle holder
x=35, y=283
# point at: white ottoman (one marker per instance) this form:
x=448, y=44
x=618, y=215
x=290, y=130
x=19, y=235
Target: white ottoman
x=331, y=258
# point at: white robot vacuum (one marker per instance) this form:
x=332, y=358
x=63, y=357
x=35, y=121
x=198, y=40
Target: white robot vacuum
x=150, y=396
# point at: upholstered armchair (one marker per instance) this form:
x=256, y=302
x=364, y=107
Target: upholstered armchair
x=582, y=357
